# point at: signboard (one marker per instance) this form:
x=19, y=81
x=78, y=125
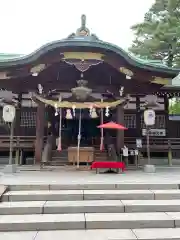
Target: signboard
x=149, y=117
x=155, y=132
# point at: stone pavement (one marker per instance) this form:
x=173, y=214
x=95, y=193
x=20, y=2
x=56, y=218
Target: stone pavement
x=69, y=175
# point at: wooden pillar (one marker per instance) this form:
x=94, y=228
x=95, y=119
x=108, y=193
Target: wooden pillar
x=166, y=108
x=138, y=117
x=120, y=134
x=40, y=123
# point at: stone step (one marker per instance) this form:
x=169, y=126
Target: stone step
x=92, y=206
x=100, y=234
x=56, y=195
x=77, y=195
x=151, y=205
x=60, y=207
x=130, y=220
x=40, y=222
x=94, y=186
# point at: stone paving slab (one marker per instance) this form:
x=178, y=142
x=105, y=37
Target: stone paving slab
x=18, y=235
x=118, y=194
x=42, y=222
x=159, y=234
x=87, y=206
x=43, y=195
x=110, y=234
x=166, y=194
x=17, y=208
x=128, y=220
x=151, y=205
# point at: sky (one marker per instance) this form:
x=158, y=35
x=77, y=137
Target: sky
x=27, y=25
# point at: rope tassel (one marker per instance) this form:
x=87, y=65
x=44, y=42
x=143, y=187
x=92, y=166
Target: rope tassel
x=59, y=148
x=102, y=131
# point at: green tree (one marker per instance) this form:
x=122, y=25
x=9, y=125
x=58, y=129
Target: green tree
x=158, y=37
x=174, y=107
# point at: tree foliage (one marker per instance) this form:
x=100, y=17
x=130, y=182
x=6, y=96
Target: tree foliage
x=174, y=107
x=158, y=37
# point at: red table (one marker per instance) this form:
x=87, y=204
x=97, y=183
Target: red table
x=117, y=165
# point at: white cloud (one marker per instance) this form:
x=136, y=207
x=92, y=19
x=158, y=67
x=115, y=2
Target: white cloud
x=27, y=25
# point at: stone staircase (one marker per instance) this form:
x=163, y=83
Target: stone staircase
x=91, y=211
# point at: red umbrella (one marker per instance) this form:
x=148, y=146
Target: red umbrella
x=112, y=125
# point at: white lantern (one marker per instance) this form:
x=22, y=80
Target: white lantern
x=149, y=117
x=9, y=112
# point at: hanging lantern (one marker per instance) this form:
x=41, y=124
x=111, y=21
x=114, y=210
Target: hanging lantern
x=68, y=114
x=107, y=112
x=93, y=113
x=74, y=110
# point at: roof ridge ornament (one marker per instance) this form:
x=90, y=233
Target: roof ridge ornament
x=83, y=31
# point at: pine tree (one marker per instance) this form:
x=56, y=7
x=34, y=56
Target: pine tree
x=158, y=37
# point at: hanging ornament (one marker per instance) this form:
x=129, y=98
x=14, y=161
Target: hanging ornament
x=74, y=110
x=107, y=112
x=56, y=109
x=90, y=110
x=40, y=88
x=93, y=113
x=68, y=114
x=56, y=112
x=59, y=148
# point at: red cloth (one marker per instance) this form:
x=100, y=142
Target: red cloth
x=108, y=165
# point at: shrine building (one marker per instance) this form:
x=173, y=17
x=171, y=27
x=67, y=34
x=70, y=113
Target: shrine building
x=79, y=74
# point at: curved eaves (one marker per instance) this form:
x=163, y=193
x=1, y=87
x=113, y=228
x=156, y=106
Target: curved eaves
x=82, y=42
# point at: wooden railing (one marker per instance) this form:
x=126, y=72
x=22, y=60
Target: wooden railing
x=156, y=143
x=19, y=142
